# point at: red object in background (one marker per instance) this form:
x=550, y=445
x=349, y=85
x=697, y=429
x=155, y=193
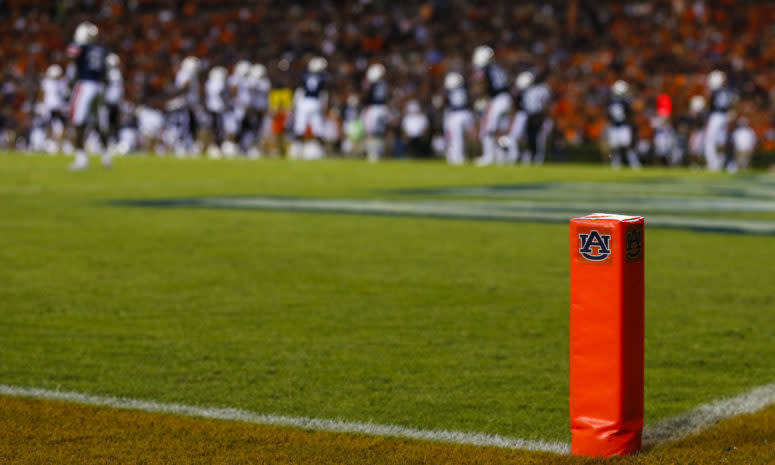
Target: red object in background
x=664, y=105
x=606, y=334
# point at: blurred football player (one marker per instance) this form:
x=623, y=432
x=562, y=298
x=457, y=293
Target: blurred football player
x=534, y=98
x=621, y=140
x=457, y=118
x=259, y=86
x=414, y=128
x=88, y=67
x=696, y=122
x=53, y=96
x=716, y=127
x=217, y=103
x=185, y=107
x=235, y=124
x=308, y=104
x=375, y=113
x=519, y=121
x=114, y=94
x=743, y=143
x=665, y=142
x=498, y=106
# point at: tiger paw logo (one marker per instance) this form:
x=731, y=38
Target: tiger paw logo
x=634, y=244
x=595, y=246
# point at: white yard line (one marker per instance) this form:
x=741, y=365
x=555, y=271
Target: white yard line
x=665, y=431
x=317, y=424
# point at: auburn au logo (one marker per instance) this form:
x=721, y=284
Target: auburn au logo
x=634, y=244
x=595, y=246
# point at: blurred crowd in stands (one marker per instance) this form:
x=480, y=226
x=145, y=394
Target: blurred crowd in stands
x=580, y=47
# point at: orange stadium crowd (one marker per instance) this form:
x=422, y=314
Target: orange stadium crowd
x=658, y=47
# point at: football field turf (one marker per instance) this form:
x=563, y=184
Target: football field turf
x=409, y=294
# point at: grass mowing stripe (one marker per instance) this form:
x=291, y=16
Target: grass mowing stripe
x=708, y=415
x=316, y=424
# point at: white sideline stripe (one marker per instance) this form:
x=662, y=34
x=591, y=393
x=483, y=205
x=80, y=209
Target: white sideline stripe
x=317, y=424
x=665, y=431
x=708, y=415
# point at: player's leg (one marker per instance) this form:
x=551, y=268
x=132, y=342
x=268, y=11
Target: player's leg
x=81, y=100
x=314, y=149
x=533, y=126
x=632, y=157
x=713, y=159
x=615, y=146
x=543, y=136
x=301, y=116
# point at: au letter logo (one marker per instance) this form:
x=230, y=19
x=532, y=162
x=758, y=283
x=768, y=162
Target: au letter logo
x=595, y=246
x=634, y=243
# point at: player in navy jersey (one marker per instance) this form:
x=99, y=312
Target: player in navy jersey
x=260, y=86
x=497, y=86
x=720, y=102
x=88, y=69
x=457, y=118
x=375, y=112
x=309, y=102
x=621, y=140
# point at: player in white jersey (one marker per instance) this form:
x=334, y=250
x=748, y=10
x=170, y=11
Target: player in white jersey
x=498, y=106
x=114, y=95
x=259, y=86
x=535, y=103
x=185, y=107
x=721, y=100
x=234, y=118
x=308, y=104
x=217, y=102
x=519, y=121
x=375, y=112
x=88, y=68
x=457, y=119
x=53, y=96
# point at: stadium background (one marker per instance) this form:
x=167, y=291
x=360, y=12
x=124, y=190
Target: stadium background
x=658, y=46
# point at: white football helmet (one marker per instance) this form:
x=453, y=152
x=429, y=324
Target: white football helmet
x=524, y=80
x=697, y=104
x=54, y=72
x=112, y=61
x=317, y=65
x=257, y=71
x=85, y=33
x=620, y=88
x=453, y=80
x=716, y=79
x=242, y=68
x=190, y=64
x=482, y=56
x=375, y=72
x=218, y=73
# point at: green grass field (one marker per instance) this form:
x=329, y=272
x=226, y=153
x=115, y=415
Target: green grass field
x=439, y=323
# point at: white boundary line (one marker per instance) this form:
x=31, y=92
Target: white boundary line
x=665, y=431
x=707, y=415
x=317, y=424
